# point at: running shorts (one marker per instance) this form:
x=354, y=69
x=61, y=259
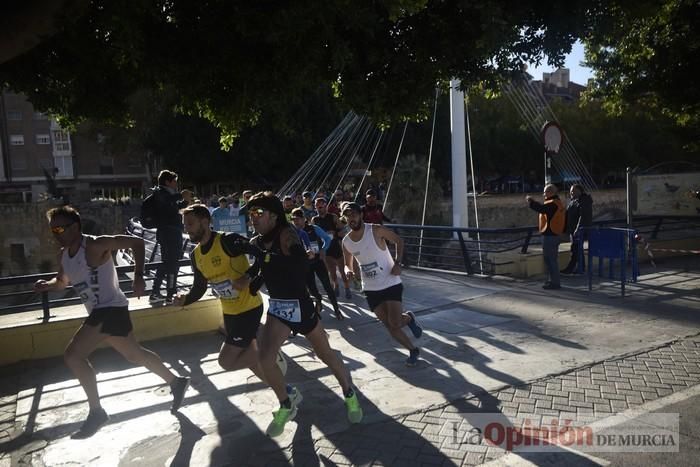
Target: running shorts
x=242, y=328
x=299, y=315
x=377, y=297
x=113, y=320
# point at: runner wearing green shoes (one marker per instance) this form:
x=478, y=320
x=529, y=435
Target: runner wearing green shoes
x=284, y=268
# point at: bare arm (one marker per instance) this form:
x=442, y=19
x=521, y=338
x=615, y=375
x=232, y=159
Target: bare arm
x=59, y=282
x=390, y=236
x=347, y=256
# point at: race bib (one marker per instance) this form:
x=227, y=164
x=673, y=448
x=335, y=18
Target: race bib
x=370, y=270
x=87, y=295
x=224, y=290
x=314, y=247
x=287, y=310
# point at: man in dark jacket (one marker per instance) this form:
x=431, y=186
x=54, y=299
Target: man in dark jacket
x=168, y=234
x=579, y=213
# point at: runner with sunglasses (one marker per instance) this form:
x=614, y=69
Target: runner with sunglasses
x=284, y=269
x=85, y=262
x=220, y=259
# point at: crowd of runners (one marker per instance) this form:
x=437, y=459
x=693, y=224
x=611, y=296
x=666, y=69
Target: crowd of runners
x=292, y=243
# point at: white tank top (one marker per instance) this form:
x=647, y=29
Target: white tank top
x=374, y=262
x=97, y=287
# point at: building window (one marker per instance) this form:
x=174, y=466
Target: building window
x=43, y=139
x=40, y=116
x=17, y=140
x=17, y=252
x=64, y=165
x=61, y=141
x=14, y=115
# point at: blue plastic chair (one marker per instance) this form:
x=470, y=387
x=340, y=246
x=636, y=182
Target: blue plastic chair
x=611, y=244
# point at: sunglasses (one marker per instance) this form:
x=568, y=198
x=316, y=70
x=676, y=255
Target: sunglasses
x=59, y=229
x=257, y=212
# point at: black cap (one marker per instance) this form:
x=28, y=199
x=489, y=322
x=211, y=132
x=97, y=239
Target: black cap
x=306, y=194
x=371, y=192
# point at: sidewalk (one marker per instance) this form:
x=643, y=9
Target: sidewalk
x=501, y=346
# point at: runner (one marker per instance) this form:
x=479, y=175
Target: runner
x=334, y=256
x=283, y=269
x=86, y=263
x=319, y=241
x=230, y=281
x=367, y=243
x=307, y=206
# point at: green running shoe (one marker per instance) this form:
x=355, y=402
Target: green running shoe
x=354, y=409
x=279, y=419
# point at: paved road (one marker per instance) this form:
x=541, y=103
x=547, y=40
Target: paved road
x=502, y=347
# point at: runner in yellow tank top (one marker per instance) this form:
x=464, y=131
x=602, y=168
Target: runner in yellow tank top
x=220, y=259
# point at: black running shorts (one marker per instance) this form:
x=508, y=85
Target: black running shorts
x=377, y=297
x=309, y=318
x=241, y=329
x=113, y=320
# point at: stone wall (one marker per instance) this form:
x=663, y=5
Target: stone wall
x=510, y=210
x=25, y=226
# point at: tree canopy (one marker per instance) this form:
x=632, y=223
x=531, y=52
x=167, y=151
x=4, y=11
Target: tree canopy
x=643, y=54
x=232, y=62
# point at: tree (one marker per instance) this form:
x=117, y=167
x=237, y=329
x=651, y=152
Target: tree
x=643, y=54
x=236, y=62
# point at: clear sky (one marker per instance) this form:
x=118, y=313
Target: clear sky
x=578, y=73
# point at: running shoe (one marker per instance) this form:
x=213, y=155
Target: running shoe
x=281, y=362
x=178, y=388
x=156, y=298
x=354, y=409
x=348, y=294
x=416, y=329
x=413, y=357
x=279, y=419
x=94, y=421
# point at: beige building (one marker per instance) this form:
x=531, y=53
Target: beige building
x=38, y=157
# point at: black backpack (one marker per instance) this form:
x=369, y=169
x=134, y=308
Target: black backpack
x=149, y=211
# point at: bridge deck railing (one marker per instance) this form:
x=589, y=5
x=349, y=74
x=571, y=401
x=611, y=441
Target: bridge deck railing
x=465, y=250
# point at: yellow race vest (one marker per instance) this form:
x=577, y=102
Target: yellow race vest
x=221, y=270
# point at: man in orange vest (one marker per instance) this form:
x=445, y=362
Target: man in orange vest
x=552, y=223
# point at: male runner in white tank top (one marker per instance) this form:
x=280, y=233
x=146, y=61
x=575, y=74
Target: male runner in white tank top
x=381, y=283
x=85, y=262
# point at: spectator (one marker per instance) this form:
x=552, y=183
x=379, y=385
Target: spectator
x=308, y=205
x=222, y=211
x=551, y=225
x=372, y=210
x=288, y=205
x=168, y=234
x=579, y=213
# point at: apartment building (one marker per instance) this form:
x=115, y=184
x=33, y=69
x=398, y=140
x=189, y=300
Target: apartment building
x=39, y=159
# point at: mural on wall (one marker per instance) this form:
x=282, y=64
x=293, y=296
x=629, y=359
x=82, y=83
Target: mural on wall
x=666, y=194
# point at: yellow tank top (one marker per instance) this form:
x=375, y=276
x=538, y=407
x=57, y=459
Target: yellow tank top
x=221, y=270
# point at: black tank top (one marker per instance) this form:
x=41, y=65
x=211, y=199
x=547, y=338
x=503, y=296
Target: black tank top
x=285, y=276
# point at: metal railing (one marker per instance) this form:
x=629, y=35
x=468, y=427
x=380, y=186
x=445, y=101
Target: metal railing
x=465, y=250
x=471, y=250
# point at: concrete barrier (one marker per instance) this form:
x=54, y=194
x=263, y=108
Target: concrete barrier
x=30, y=339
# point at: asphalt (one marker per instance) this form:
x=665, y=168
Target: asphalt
x=498, y=348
